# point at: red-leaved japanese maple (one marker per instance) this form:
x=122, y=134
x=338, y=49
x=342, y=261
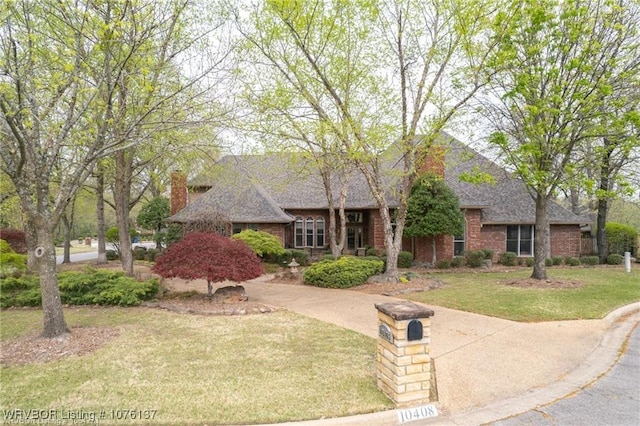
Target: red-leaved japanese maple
x=203, y=255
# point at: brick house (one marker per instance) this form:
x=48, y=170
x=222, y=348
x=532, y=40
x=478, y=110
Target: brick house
x=284, y=195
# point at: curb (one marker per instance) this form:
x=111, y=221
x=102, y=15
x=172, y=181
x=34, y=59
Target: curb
x=620, y=322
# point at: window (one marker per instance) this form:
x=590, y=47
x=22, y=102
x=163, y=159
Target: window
x=299, y=229
x=239, y=227
x=354, y=217
x=320, y=232
x=520, y=239
x=309, y=232
x=458, y=242
x=309, y=226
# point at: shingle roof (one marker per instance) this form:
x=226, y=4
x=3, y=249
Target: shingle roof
x=505, y=201
x=259, y=188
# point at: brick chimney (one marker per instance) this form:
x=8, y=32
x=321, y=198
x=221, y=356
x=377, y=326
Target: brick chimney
x=178, y=191
x=432, y=160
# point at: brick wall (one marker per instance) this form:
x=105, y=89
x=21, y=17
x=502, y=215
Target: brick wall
x=494, y=237
x=566, y=240
x=178, y=191
x=277, y=229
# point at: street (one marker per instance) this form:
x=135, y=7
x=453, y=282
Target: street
x=614, y=399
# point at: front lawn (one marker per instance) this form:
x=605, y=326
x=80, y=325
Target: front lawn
x=600, y=290
x=192, y=369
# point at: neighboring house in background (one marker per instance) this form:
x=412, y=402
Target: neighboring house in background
x=283, y=194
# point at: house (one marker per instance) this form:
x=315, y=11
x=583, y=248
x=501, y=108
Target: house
x=284, y=195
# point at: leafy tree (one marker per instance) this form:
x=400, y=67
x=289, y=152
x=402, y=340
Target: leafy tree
x=82, y=81
x=550, y=90
x=315, y=58
x=152, y=216
x=432, y=210
x=208, y=256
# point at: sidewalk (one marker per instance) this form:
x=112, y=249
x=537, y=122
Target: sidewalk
x=486, y=368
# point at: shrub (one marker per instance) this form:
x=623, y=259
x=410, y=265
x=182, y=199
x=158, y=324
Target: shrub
x=405, y=259
x=139, y=253
x=267, y=246
x=457, y=262
x=327, y=257
x=572, y=261
x=443, y=264
x=16, y=239
x=23, y=291
x=488, y=254
x=590, y=260
x=102, y=287
x=301, y=256
x=475, y=258
x=112, y=235
x=620, y=238
x=348, y=271
x=372, y=251
x=615, y=259
x=529, y=261
x=12, y=263
x=151, y=255
x=548, y=261
x=90, y=287
x=508, y=258
x=557, y=260
x=112, y=255
x=5, y=247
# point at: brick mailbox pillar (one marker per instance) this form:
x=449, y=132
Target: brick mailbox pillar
x=403, y=358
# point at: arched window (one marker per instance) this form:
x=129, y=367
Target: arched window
x=310, y=232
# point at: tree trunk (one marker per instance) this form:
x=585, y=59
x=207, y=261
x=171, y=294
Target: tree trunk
x=541, y=239
x=44, y=259
x=433, y=251
x=391, y=271
x=601, y=236
x=121, y=193
x=336, y=239
x=603, y=202
x=66, y=257
x=102, y=245
x=32, y=241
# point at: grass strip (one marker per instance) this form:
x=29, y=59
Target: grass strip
x=603, y=290
x=201, y=369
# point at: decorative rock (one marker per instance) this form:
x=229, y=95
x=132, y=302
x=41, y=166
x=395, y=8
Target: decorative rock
x=230, y=294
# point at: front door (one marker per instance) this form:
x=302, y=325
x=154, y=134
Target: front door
x=354, y=237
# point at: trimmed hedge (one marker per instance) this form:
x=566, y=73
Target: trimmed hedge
x=92, y=287
x=346, y=272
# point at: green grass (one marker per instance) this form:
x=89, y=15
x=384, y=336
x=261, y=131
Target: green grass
x=201, y=369
x=604, y=290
